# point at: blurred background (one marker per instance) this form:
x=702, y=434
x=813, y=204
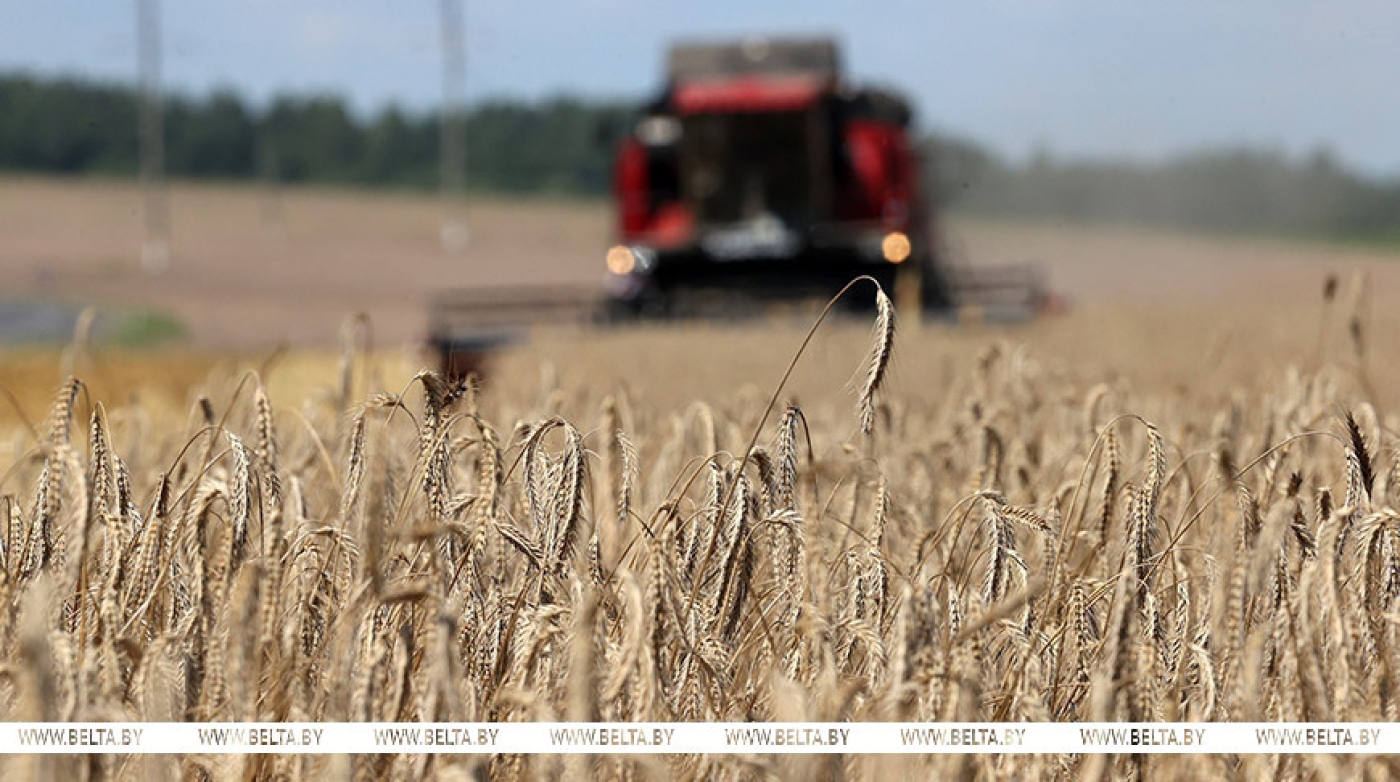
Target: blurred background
x=238, y=176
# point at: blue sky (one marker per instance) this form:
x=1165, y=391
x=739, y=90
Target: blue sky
x=1121, y=78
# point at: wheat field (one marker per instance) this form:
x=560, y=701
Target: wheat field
x=969, y=532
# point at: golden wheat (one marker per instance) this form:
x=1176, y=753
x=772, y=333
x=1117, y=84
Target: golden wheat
x=999, y=552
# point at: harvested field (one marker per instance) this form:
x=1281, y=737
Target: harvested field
x=253, y=268
x=244, y=280
x=1173, y=502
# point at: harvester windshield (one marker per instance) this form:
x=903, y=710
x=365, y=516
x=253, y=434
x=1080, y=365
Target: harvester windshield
x=743, y=167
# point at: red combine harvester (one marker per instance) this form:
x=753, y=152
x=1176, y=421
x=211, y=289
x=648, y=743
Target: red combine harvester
x=757, y=174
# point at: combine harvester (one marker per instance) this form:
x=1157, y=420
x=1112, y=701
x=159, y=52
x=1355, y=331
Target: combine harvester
x=758, y=175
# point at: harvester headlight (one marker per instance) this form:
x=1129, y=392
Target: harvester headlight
x=621, y=260
x=895, y=247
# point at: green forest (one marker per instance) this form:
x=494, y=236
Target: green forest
x=75, y=127
x=562, y=146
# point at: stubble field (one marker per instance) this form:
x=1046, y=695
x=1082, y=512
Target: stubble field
x=1170, y=502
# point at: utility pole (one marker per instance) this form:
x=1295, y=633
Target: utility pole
x=452, y=129
x=155, y=213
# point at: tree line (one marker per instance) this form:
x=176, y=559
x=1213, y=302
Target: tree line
x=563, y=146
x=67, y=126
x=1235, y=190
